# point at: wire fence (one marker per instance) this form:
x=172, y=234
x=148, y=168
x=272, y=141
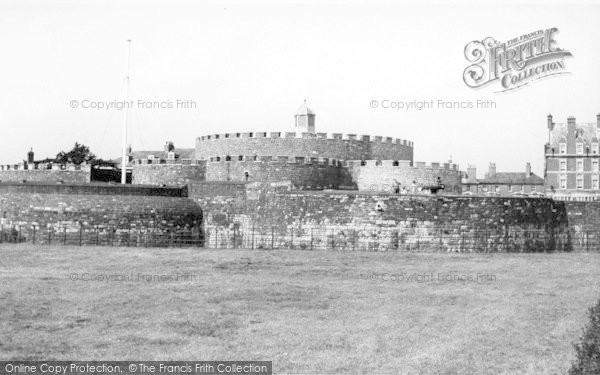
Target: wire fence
x=333, y=237
x=102, y=236
x=415, y=239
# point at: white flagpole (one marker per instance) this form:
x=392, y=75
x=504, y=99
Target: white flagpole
x=124, y=156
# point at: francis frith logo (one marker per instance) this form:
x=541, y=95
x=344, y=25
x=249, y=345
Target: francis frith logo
x=516, y=62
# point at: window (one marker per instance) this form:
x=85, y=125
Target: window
x=594, y=148
x=497, y=189
x=563, y=148
x=563, y=182
x=595, y=183
x=579, y=181
x=563, y=165
x=509, y=188
x=579, y=148
x=579, y=165
x=485, y=189
x=595, y=165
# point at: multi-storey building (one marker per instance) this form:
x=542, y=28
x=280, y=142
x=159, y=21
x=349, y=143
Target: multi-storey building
x=572, y=160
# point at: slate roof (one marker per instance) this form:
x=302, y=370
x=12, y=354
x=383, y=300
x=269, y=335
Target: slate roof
x=588, y=132
x=304, y=110
x=512, y=178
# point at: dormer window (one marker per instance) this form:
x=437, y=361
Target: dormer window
x=563, y=148
x=579, y=148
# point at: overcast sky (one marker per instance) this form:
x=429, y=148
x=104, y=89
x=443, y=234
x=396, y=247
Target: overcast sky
x=249, y=67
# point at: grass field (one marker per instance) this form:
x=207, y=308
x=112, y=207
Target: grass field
x=308, y=312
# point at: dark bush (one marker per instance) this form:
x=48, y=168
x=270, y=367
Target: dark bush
x=588, y=349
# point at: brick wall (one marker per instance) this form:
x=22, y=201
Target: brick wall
x=91, y=214
x=168, y=174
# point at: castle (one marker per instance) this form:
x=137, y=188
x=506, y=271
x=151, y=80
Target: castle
x=304, y=190
x=307, y=159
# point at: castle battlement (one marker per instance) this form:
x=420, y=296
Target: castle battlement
x=402, y=164
x=306, y=135
x=44, y=167
x=157, y=161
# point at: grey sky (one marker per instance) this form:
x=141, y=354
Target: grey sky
x=248, y=67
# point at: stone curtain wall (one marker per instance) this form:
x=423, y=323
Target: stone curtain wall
x=373, y=177
x=379, y=222
x=273, y=215
x=320, y=145
x=88, y=214
x=93, y=189
x=584, y=223
x=46, y=175
x=168, y=174
x=312, y=175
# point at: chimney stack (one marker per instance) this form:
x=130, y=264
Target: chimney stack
x=598, y=120
x=30, y=157
x=550, y=123
x=471, y=173
x=528, y=170
x=492, y=170
x=571, y=125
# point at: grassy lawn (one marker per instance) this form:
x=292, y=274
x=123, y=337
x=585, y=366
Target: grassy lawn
x=308, y=312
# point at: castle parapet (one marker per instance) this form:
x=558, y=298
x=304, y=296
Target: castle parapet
x=337, y=146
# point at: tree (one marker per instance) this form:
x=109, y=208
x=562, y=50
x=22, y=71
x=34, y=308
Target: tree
x=79, y=154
